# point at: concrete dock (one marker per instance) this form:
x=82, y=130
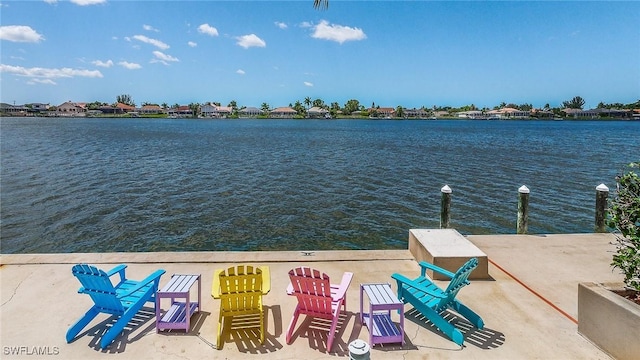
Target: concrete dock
x=529, y=304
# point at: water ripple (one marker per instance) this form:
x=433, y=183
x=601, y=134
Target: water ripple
x=98, y=185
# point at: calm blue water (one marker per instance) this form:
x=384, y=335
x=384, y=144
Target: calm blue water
x=99, y=185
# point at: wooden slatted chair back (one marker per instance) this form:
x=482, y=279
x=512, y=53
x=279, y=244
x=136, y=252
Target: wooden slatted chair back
x=459, y=280
x=240, y=290
x=313, y=291
x=98, y=286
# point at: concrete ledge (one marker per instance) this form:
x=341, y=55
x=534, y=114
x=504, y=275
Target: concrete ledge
x=608, y=320
x=448, y=249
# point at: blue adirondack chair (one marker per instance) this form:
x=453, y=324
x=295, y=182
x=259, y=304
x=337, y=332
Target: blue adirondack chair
x=431, y=301
x=123, y=300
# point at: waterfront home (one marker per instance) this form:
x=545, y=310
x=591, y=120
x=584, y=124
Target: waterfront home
x=317, y=112
x=249, y=112
x=180, y=112
x=71, y=109
x=509, y=113
x=416, y=113
x=215, y=111
x=13, y=110
x=150, y=110
x=473, y=114
x=283, y=112
x=382, y=112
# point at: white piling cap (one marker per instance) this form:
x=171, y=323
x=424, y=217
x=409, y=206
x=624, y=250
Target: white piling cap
x=602, y=187
x=523, y=190
x=358, y=348
x=446, y=189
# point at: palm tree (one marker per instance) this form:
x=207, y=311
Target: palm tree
x=307, y=101
x=321, y=4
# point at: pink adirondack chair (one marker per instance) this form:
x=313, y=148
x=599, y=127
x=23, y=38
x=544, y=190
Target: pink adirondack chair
x=317, y=297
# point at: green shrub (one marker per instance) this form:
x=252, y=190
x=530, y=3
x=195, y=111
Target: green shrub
x=624, y=218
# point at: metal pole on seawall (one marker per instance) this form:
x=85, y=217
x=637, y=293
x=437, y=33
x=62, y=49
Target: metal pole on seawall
x=523, y=210
x=445, y=207
x=602, y=192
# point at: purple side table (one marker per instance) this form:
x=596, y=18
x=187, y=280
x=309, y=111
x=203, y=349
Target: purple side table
x=179, y=314
x=378, y=320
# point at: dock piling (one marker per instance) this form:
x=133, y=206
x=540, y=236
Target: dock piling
x=523, y=210
x=445, y=207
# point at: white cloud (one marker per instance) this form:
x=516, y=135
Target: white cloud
x=281, y=25
x=337, y=33
x=45, y=73
x=51, y=1
x=88, y=2
x=306, y=83
x=207, y=30
x=305, y=24
x=157, y=43
x=101, y=63
x=192, y=44
x=163, y=58
x=41, y=81
x=130, y=66
x=251, y=40
x=19, y=33
x=150, y=28
x=240, y=71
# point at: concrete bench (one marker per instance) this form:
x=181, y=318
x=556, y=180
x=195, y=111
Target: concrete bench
x=448, y=249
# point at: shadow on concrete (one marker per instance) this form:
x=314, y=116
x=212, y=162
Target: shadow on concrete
x=482, y=338
x=127, y=336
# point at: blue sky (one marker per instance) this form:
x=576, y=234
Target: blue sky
x=409, y=53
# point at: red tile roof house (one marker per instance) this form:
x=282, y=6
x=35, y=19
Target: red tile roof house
x=283, y=112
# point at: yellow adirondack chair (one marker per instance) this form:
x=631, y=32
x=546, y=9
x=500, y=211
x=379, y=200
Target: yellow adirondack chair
x=240, y=289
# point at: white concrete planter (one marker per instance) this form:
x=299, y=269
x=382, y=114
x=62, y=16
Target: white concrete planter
x=608, y=320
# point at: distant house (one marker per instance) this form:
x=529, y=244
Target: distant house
x=509, y=113
x=108, y=109
x=150, y=110
x=597, y=113
x=416, y=113
x=125, y=108
x=250, y=112
x=542, y=114
x=215, y=111
x=181, y=111
x=283, y=112
x=71, y=109
x=382, y=112
x=38, y=107
x=473, y=114
x=208, y=110
x=14, y=110
x=317, y=112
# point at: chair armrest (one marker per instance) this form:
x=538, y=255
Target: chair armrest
x=425, y=265
x=404, y=281
x=266, y=279
x=215, y=286
x=154, y=277
x=120, y=269
x=342, y=288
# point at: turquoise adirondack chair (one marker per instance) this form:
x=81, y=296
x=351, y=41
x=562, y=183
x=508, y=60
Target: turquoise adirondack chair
x=431, y=301
x=317, y=297
x=124, y=299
